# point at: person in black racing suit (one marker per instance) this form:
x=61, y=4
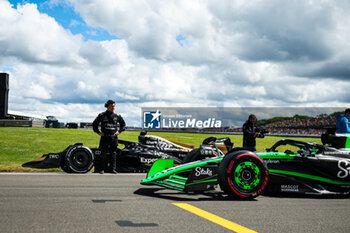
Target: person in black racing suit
x=112, y=125
x=250, y=132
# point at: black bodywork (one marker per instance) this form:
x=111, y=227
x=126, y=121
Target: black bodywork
x=134, y=157
x=288, y=167
x=312, y=169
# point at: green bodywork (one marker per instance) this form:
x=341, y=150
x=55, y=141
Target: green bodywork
x=276, y=155
x=339, y=140
x=343, y=139
x=163, y=172
x=347, y=144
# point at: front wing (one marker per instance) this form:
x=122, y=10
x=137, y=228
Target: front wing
x=196, y=176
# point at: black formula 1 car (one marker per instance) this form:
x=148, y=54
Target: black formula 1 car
x=134, y=157
x=302, y=168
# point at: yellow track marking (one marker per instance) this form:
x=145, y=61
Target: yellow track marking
x=213, y=218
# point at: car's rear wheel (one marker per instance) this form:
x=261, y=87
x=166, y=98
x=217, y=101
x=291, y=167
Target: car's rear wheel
x=78, y=159
x=243, y=175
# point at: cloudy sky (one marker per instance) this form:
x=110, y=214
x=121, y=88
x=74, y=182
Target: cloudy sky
x=67, y=57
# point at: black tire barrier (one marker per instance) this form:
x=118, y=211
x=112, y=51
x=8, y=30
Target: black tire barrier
x=243, y=175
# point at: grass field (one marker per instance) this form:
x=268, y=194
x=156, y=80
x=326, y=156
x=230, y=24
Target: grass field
x=20, y=145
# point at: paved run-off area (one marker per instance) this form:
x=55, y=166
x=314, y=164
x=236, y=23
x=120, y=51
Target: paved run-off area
x=57, y=202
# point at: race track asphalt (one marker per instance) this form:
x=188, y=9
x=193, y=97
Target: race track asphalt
x=57, y=202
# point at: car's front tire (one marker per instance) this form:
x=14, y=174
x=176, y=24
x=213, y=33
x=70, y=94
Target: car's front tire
x=243, y=175
x=78, y=159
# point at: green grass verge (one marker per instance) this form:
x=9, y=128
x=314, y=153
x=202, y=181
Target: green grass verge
x=20, y=145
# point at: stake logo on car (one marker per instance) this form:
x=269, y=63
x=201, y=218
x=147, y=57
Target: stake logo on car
x=344, y=166
x=202, y=171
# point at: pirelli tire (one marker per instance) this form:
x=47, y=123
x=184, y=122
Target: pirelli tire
x=243, y=175
x=78, y=159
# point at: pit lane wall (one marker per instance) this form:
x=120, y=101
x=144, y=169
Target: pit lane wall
x=21, y=123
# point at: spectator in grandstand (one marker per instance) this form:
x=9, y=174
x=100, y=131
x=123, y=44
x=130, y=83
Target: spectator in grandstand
x=250, y=132
x=342, y=124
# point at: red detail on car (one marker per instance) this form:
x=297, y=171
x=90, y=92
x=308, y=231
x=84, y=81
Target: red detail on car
x=230, y=166
x=251, y=156
x=262, y=189
x=234, y=190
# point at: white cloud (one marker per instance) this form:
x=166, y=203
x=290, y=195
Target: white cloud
x=232, y=53
x=32, y=37
x=74, y=23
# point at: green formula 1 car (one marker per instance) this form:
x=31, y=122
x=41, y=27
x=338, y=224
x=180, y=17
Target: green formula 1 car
x=302, y=167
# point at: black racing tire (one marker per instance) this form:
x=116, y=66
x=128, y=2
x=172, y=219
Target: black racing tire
x=243, y=175
x=65, y=168
x=78, y=159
